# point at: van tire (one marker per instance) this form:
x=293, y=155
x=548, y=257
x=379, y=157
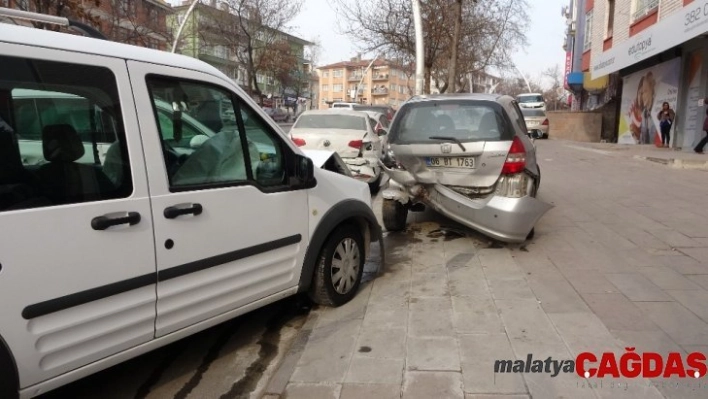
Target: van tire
x=323, y=291
x=9, y=387
x=394, y=215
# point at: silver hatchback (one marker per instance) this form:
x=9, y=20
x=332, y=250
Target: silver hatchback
x=468, y=157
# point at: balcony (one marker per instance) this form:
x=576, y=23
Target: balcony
x=355, y=78
x=379, y=92
x=380, y=76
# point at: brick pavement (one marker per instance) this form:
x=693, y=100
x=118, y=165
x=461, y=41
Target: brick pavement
x=622, y=260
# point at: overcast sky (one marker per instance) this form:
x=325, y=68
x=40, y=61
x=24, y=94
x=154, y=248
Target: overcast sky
x=545, y=34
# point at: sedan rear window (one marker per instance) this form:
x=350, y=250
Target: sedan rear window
x=333, y=121
x=465, y=121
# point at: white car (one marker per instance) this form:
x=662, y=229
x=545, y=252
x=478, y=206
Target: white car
x=531, y=100
x=352, y=134
x=341, y=105
x=101, y=267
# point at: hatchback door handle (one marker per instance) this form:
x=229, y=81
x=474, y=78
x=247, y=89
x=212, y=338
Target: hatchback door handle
x=115, y=219
x=172, y=212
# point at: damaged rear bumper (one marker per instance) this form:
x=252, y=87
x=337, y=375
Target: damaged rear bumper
x=506, y=219
x=363, y=169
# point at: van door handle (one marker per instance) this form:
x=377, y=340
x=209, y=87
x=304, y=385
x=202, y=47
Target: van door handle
x=172, y=212
x=115, y=219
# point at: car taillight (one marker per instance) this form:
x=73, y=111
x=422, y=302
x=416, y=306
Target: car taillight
x=516, y=159
x=356, y=144
x=299, y=142
x=545, y=122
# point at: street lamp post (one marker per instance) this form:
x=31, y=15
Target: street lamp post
x=184, y=22
x=528, y=86
x=419, y=48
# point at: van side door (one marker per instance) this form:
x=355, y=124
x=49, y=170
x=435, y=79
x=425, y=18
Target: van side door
x=231, y=229
x=77, y=257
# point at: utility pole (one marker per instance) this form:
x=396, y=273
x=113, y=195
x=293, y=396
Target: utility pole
x=184, y=22
x=363, y=76
x=419, y=48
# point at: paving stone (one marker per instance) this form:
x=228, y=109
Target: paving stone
x=584, y=332
x=674, y=238
x=429, y=285
x=474, y=315
x=468, y=281
x=699, y=254
x=641, y=258
x=430, y=317
x=558, y=296
x=684, y=327
x=386, y=312
x=426, y=385
x=618, y=313
x=312, y=391
x=327, y=353
x=479, y=353
x=372, y=391
x=433, y=354
x=694, y=300
x=636, y=287
x=375, y=371
x=498, y=263
x=484, y=396
x=684, y=264
x=589, y=281
x=510, y=288
x=647, y=341
x=638, y=236
x=530, y=330
x=667, y=278
x=606, y=236
x=562, y=386
x=382, y=343
x=700, y=279
x=391, y=286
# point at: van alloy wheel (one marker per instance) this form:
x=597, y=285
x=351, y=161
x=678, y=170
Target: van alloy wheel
x=340, y=267
x=345, y=266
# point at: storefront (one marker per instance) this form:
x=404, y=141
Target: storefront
x=657, y=67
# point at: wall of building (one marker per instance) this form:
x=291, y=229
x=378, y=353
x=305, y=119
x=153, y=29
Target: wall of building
x=575, y=126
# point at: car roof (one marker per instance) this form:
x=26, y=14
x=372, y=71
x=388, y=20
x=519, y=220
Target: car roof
x=330, y=111
x=460, y=96
x=23, y=35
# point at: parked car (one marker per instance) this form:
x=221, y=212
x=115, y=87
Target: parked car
x=531, y=100
x=340, y=105
x=536, y=122
x=383, y=109
x=278, y=114
x=94, y=270
x=467, y=157
x=352, y=134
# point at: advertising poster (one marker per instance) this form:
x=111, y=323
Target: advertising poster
x=643, y=93
x=692, y=132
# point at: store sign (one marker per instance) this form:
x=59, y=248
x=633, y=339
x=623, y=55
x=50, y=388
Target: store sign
x=683, y=25
x=568, y=67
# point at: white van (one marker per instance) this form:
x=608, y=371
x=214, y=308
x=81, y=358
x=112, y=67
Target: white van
x=125, y=233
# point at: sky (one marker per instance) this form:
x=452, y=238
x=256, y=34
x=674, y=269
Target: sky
x=545, y=35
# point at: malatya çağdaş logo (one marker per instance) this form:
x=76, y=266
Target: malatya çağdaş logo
x=629, y=365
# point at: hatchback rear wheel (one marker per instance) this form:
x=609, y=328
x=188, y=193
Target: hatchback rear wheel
x=394, y=215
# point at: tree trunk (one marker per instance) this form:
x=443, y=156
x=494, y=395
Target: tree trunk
x=452, y=69
x=426, y=80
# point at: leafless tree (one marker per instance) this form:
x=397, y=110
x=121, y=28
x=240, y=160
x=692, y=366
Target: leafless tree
x=487, y=32
x=74, y=9
x=134, y=22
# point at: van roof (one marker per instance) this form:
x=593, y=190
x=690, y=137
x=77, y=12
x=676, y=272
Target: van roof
x=22, y=35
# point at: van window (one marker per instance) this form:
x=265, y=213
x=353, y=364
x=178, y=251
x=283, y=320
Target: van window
x=62, y=121
x=204, y=145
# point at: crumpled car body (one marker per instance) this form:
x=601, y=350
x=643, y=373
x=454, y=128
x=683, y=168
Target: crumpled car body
x=480, y=170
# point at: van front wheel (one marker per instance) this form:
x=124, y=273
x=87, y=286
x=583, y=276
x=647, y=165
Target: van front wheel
x=340, y=268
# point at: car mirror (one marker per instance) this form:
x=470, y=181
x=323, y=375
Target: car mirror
x=305, y=170
x=381, y=132
x=197, y=141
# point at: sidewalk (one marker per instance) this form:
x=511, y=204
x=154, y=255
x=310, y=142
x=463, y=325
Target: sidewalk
x=647, y=152
x=608, y=269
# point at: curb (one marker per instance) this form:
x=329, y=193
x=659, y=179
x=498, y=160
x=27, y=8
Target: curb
x=676, y=163
x=280, y=379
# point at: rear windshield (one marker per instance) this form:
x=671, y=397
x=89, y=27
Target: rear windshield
x=332, y=121
x=382, y=110
x=532, y=112
x=464, y=120
x=530, y=99
x=341, y=106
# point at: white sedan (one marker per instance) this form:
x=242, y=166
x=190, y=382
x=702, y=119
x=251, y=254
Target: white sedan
x=352, y=134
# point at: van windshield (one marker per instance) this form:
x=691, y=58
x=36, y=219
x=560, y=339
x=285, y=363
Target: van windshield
x=463, y=120
x=332, y=121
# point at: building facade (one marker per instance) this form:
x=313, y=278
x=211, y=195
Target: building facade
x=482, y=82
x=138, y=22
x=222, y=49
x=655, y=51
x=385, y=83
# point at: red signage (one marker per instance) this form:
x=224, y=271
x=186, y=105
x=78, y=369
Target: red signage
x=568, y=67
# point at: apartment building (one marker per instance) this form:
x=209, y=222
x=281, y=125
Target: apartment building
x=385, y=82
x=138, y=22
x=653, y=51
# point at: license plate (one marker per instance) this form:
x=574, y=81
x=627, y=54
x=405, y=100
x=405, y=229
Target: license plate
x=450, y=162
x=532, y=123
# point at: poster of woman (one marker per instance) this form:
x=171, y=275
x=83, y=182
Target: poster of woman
x=643, y=93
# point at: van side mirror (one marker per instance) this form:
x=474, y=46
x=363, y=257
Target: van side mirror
x=305, y=171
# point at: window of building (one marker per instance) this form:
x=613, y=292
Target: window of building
x=325, y=87
x=325, y=74
x=610, y=18
x=640, y=8
x=337, y=88
x=337, y=73
x=55, y=127
x=588, y=32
